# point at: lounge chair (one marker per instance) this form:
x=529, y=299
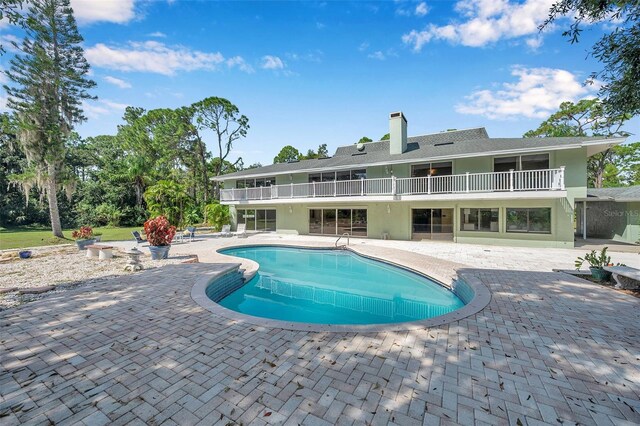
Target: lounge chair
x=225, y=232
x=138, y=237
x=241, y=232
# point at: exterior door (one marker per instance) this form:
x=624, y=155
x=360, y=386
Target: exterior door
x=432, y=224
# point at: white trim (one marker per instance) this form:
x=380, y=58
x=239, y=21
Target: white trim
x=516, y=195
x=505, y=153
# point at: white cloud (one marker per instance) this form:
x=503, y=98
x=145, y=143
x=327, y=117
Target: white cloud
x=117, y=11
x=363, y=46
x=537, y=93
x=157, y=34
x=240, y=63
x=534, y=43
x=3, y=77
x=7, y=40
x=377, y=55
x=270, y=62
x=315, y=56
x=101, y=107
x=3, y=103
x=152, y=56
x=320, y=25
x=117, y=82
x=421, y=9
x=484, y=22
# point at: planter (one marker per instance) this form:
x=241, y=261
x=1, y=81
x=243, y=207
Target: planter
x=82, y=244
x=159, y=252
x=600, y=274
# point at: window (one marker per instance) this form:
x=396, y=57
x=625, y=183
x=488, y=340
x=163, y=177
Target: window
x=529, y=220
x=340, y=175
x=255, y=183
x=479, y=220
x=258, y=220
x=432, y=169
x=338, y=221
x=521, y=162
x=534, y=162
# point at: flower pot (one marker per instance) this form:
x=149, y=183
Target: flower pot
x=600, y=274
x=82, y=244
x=159, y=252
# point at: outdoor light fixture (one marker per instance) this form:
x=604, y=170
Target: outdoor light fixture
x=388, y=209
x=290, y=209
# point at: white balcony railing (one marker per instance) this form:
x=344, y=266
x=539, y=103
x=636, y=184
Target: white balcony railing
x=511, y=181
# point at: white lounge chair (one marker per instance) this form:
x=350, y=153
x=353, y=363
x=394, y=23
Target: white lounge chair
x=241, y=231
x=225, y=232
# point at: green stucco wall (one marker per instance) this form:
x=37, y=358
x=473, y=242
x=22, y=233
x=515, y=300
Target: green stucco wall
x=396, y=220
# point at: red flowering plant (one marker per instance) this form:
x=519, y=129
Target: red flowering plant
x=84, y=233
x=159, y=231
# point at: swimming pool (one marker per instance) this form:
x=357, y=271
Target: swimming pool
x=334, y=287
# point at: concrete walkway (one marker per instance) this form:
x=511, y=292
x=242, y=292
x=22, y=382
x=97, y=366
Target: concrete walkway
x=548, y=349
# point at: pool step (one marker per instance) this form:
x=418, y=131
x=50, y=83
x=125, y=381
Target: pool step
x=226, y=284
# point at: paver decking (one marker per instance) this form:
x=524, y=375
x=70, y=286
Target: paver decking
x=549, y=349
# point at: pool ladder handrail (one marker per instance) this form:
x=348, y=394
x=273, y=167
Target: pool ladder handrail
x=340, y=237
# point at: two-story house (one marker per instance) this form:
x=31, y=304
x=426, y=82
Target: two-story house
x=458, y=185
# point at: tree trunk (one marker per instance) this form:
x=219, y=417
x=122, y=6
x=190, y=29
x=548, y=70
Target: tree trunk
x=54, y=214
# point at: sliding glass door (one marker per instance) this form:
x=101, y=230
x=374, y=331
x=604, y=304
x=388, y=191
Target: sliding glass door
x=258, y=219
x=338, y=222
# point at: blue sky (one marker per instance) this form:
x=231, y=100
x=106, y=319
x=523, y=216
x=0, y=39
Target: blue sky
x=330, y=72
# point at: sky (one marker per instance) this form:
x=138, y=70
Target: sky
x=310, y=73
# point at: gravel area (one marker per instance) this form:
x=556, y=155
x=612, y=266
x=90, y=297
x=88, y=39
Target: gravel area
x=63, y=268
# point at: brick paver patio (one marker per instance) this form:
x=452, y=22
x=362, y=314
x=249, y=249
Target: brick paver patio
x=548, y=349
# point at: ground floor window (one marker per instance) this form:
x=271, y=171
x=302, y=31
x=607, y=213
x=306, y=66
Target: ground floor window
x=479, y=220
x=338, y=221
x=529, y=220
x=258, y=219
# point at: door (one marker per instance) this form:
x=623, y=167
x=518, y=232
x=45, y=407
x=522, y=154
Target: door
x=432, y=224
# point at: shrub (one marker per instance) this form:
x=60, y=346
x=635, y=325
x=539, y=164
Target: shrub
x=594, y=259
x=217, y=215
x=84, y=233
x=159, y=231
x=108, y=214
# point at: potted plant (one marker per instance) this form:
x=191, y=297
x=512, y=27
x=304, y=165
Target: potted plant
x=159, y=233
x=83, y=237
x=597, y=262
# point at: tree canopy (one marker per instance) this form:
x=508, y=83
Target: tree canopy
x=618, y=50
x=588, y=117
x=287, y=154
x=48, y=83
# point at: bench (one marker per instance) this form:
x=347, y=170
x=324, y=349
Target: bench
x=99, y=251
x=627, y=278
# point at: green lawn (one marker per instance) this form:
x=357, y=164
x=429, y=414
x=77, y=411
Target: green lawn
x=33, y=237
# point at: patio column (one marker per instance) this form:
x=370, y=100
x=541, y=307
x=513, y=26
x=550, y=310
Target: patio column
x=584, y=220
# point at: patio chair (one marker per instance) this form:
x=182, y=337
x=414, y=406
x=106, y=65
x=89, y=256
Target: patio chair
x=138, y=237
x=241, y=232
x=225, y=232
x=190, y=232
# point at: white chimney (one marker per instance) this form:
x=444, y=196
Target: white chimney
x=397, y=133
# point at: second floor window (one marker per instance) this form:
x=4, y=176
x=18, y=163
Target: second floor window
x=521, y=162
x=432, y=169
x=340, y=175
x=255, y=183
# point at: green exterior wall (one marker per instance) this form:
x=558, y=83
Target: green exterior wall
x=396, y=222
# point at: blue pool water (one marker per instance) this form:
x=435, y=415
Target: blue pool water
x=334, y=287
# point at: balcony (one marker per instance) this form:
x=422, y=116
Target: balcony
x=408, y=188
